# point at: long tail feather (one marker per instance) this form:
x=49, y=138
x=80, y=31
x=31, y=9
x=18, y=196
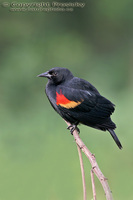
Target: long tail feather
x=114, y=136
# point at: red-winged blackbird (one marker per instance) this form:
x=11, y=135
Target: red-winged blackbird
x=77, y=101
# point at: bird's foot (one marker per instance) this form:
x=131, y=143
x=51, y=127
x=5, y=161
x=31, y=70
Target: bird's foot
x=73, y=127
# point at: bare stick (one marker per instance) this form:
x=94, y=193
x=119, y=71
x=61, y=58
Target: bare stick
x=82, y=172
x=93, y=185
x=94, y=164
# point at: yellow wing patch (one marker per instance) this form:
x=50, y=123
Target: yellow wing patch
x=71, y=104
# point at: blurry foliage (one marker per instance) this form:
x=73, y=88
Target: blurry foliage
x=38, y=157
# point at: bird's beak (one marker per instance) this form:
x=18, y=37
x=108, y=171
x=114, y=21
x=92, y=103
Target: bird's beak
x=46, y=74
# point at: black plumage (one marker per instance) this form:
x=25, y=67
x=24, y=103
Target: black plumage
x=78, y=101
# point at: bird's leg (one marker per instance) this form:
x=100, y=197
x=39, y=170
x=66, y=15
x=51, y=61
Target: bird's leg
x=73, y=127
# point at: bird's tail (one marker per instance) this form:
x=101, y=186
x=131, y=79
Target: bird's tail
x=114, y=136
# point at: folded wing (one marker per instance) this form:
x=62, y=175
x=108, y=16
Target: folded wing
x=84, y=106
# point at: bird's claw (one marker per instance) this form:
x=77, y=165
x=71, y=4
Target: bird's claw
x=73, y=127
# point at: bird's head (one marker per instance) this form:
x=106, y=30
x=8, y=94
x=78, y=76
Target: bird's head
x=57, y=75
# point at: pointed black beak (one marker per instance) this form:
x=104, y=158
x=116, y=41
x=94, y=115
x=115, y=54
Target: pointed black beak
x=46, y=74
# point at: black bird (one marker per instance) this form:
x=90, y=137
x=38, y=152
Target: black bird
x=77, y=101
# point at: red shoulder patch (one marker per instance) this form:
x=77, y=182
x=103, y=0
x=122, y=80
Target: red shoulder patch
x=64, y=102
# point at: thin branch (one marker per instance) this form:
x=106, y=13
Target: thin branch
x=82, y=172
x=93, y=185
x=94, y=164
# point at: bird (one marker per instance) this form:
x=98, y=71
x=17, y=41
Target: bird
x=78, y=102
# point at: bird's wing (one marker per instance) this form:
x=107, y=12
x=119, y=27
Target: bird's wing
x=77, y=102
x=82, y=84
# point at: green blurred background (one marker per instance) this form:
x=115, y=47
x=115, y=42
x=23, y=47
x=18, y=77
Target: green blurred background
x=38, y=156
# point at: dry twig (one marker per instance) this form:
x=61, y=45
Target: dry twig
x=82, y=172
x=93, y=185
x=94, y=165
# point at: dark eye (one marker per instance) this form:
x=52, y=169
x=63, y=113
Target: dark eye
x=54, y=73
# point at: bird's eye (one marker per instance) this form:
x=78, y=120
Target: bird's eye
x=54, y=74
